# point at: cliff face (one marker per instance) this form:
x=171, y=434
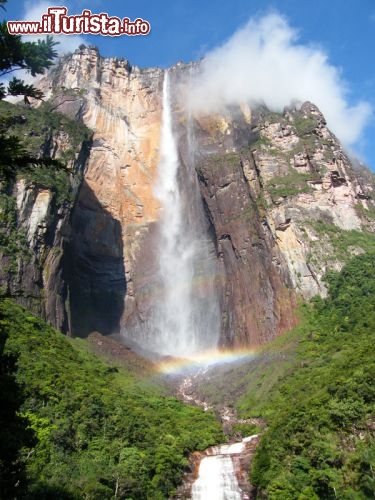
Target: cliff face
x=310, y=188
x=285, y=204
x=35, y=213
x=116, y=207
x=276, y=191
x=288, y=175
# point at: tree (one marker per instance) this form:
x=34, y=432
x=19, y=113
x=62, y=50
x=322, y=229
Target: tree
x=15, y=432
x=34, y=57
x=15, y=54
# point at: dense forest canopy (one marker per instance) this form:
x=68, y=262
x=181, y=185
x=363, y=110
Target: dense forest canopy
x=320, y=441
x=99, y=430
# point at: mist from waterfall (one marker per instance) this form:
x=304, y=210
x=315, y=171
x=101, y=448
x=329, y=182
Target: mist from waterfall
x=186, y=316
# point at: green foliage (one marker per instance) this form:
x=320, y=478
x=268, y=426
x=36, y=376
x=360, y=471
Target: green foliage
x=58, y=181
x=37, y=125
x=13, y=241
x=344, y=243
x=14, y=428
x=241, y=430
x=367, y=213
x=263, y=114
x=219, y=161
x=35, y=57
x=319, y=443
x=30, y=157
x=290, y=184
x=16, y=54
x=304, y=125
x=15, y=158
x=101, y=432
x=261, y=143
x=18, y=87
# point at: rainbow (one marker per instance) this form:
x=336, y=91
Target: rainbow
x=204, y=359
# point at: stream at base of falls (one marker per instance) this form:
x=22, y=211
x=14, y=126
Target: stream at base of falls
x=220, y=472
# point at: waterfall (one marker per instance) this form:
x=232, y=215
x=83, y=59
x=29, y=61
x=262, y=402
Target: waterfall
x=186, y=318
x=217, y=477
x=216, y=480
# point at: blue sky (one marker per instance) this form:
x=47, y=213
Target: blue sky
x=188, y=29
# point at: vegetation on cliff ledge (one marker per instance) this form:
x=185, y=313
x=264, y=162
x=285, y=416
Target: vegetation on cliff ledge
x=46, y=134
x=100, y=432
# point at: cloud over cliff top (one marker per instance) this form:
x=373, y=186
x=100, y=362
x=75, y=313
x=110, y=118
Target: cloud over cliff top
x=263, y=62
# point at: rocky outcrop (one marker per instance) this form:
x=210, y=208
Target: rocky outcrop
x=285, y=182
x=309, y=186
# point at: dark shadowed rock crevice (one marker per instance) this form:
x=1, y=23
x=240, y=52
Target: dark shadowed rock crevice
x=93, y=268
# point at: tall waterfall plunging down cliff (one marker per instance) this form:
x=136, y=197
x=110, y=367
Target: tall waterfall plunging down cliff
x=186, y=317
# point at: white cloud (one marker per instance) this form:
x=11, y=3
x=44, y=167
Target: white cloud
x=33, y=11
x=264, y=63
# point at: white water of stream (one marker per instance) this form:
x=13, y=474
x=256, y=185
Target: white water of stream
x=217, y=475
x=217, y=480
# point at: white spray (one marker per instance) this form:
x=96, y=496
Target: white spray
x=186, y=318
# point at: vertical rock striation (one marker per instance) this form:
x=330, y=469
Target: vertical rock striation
x=256, y=303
